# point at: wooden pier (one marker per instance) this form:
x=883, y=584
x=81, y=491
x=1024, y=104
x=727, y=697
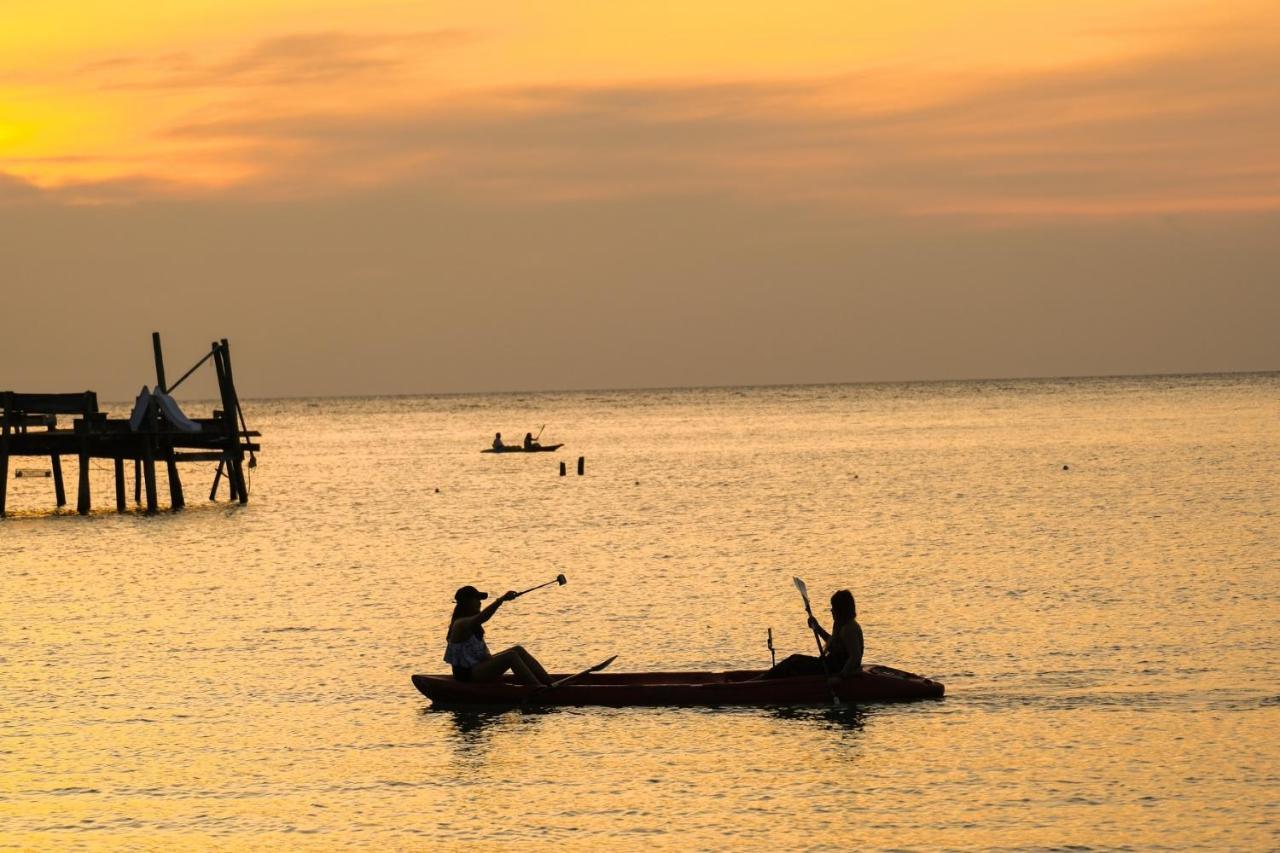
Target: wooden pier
x=157, y=431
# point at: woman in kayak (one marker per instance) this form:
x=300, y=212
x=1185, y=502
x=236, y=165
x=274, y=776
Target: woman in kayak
x=843, y=645
x=465, y=648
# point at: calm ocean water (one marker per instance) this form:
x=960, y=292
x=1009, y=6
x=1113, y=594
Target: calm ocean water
x=238, y=677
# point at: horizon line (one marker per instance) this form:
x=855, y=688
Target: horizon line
x=762, y=385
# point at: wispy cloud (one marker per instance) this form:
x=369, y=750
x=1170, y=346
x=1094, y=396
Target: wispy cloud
x=304, y=59
x=1184, y=130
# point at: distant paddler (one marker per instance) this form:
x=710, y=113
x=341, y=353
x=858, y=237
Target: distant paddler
x=498, y=446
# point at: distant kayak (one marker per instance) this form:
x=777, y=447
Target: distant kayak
x=877, y=684
x=546, y=448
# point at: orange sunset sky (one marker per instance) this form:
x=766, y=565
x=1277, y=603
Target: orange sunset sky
x=393, y=197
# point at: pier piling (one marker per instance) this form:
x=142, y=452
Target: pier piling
x=59, y=489
x=119, y=471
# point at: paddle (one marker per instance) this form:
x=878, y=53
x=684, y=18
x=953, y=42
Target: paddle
x=561, y=681
x=773, y=657
x=539, y=435
x=817, y=638
x=559, y=580
x=537, y=692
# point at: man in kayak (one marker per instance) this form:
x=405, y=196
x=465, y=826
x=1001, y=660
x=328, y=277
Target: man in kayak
x=497, y=443
x=529, y=443
x=466, y=651
x=843, y=645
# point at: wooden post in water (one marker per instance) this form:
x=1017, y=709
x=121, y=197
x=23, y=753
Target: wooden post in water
x=582, y=465
x=120, y=501
x=562, y=470
x=82, y=491
x=176, y=499
x=217, y=477
x=59, y=489
x=137, y=481
x=149, y=472
x=233, y=492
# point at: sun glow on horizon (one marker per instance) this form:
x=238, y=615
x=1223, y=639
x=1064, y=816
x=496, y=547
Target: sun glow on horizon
x=963, y=106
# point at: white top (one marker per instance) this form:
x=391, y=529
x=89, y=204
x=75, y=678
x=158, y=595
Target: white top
x=468, y=653
x=174, y=414
x=140, y=409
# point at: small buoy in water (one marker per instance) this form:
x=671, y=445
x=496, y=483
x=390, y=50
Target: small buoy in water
x=1066, y=468
x=637, y=482
x=437, y=491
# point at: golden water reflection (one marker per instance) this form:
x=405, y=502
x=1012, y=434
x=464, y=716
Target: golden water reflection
x=239, y=679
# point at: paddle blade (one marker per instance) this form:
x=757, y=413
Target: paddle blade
x=561, y=580
x=587, y=671
x=804, y=590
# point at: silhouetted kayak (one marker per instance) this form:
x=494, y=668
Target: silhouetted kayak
x=620, y=689
x=547, y=448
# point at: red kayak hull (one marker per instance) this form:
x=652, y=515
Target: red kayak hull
x=616, y=690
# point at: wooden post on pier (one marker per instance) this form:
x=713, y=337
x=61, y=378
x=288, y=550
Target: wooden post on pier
x=4, y=459
x=176, y=500
x=84, y=425
x=159, y=354
x=82, y=487
x=149, y=455
x=233, y=455
x=59, y=489
x=137, y=481
x=239, y=418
